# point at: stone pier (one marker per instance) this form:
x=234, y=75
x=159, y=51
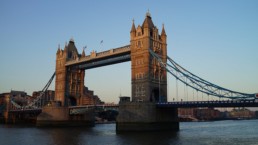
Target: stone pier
x=56, y=115
x=145, y=116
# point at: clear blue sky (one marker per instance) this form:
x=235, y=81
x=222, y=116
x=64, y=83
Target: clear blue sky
x=216, y=40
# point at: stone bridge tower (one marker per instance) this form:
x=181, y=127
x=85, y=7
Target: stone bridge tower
x=149, y=83
x=69, y=91
x=149, y=80
x=69, y=83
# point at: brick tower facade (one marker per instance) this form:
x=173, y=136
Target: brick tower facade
x=149, y=80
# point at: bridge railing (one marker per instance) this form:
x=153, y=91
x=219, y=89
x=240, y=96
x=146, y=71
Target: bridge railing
x=121, y=49
x=113, y=51
x=104, y=53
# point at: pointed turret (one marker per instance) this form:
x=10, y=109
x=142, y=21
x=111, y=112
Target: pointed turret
x=133, y=30
x=83, y=53
x=163, y=35
x=65, y=48
x=133, y=27
x=58, y=49
x=163, y=32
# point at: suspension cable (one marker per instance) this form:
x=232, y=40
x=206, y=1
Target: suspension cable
x=193, y=94
x=198, y=83
x=36, y=102
x=185, y=92
x=197, y=95
x=176, y=90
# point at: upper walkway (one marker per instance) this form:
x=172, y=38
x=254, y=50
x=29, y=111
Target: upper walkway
x=103, y=58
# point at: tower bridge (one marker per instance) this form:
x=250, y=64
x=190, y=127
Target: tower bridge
x=148, y=108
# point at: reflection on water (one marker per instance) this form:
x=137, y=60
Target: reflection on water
x=201, y=133
x=147, y=138
x=69, y=136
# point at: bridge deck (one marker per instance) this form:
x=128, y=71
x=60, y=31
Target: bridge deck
x=26, y=110
x=183, y=104
x=193, y=104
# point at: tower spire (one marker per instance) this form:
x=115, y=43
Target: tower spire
x=83, y=52
x=65, y=48
x=163, y=32
x=148, y=13
x=58, y=49
x=133, y=27
x=71, y=40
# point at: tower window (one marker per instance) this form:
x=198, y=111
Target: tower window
x=139, y=44
x=151, y=33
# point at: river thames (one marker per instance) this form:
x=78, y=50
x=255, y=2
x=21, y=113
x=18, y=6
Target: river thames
x=230, y=132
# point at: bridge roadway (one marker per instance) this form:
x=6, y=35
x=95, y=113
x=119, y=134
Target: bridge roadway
x=181, y=104
x=212, y=104
x=73, y=109
x=82, y=109
x=26, y=111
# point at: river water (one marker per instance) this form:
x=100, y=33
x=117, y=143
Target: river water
x=230, y=132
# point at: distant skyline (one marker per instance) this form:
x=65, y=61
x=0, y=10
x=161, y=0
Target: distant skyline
x=216, y=40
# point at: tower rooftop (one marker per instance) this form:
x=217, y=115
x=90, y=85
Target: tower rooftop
x=148, y=22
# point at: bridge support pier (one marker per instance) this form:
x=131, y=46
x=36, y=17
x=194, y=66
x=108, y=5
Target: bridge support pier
x=145, y=116
x=8, y=118
x=56, y=115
